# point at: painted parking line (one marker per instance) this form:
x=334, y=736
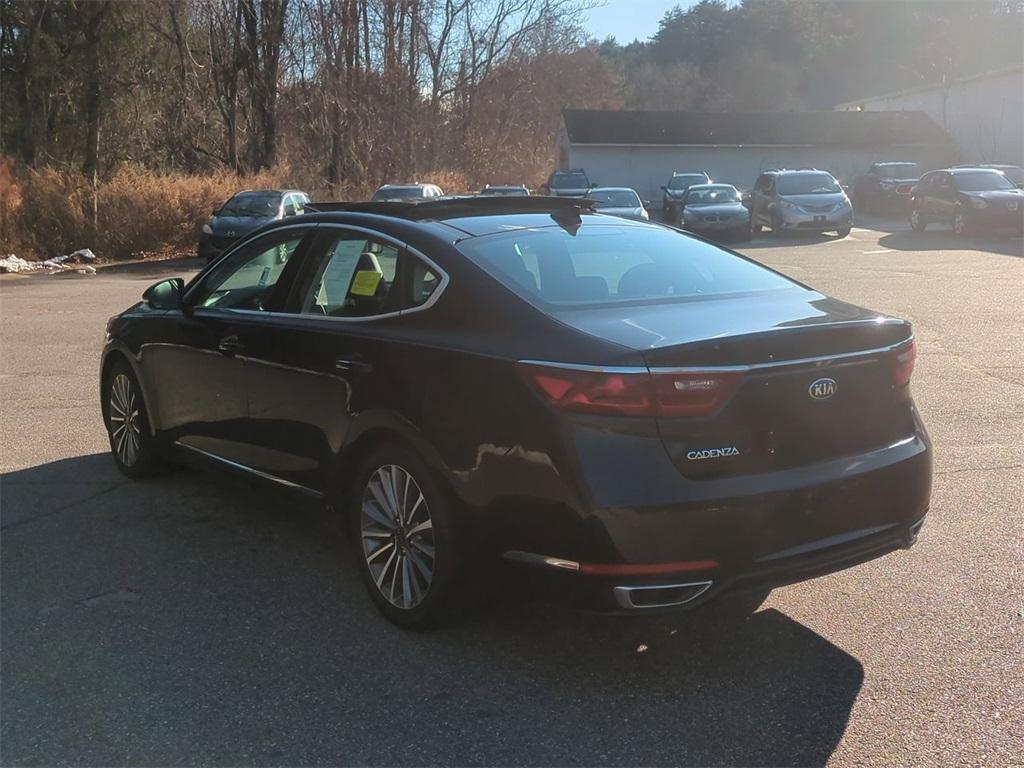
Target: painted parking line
x=880, y=250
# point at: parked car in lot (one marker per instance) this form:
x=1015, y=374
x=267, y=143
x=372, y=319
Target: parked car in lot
x=413, y=191
x=675, y=189
x=715, y=210
x=806, y=200
x=885, y=185
x=569, y=183
x=968, y=199
x=628, y=417
x=1013, y=173
x=245, y=212
x=506, y=190
x=618, y=201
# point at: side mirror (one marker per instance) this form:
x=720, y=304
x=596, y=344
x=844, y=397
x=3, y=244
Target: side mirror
x=289, y=210
x=215, y=211
x=646, y=203
x=165, y=295
x=664, y=188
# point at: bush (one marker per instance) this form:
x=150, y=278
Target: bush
x=47, y=212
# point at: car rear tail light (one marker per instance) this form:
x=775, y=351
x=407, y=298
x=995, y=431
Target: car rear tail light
x=904, y=364
x=631, y=391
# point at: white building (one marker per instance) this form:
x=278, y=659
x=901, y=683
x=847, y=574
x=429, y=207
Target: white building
x=642, y=149
x=984, y=113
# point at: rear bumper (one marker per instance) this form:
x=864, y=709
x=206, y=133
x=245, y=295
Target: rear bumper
x=747, y=533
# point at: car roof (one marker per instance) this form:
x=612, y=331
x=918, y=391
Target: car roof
x=611, y=189
x=689, y=173
x=959, y=169
x=711, y=184
x=800, y=171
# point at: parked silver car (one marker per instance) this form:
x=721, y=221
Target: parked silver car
x=715, y=210
x=806, y=200
x=412, y=191
x=618, y=201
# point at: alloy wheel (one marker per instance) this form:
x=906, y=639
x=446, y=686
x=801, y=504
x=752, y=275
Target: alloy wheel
x=397, y=536
x=124, y=419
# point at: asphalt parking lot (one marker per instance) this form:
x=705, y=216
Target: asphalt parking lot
x=191, y=620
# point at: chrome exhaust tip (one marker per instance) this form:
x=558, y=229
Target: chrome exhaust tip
x=659, y=595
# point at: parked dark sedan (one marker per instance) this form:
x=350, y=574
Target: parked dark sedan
x=885, y=185
x=979, y=199
x=627, y=417
x=246, y=212
x=716, y=210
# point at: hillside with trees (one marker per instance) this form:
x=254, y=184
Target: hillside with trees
x=123, y=123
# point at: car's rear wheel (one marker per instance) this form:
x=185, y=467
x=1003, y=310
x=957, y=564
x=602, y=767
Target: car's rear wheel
x=404, y=538
x=131, y=441
x=917, y=222
x=843, y=232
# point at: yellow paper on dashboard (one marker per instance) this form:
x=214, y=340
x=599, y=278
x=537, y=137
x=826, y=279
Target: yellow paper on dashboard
x=365, y=283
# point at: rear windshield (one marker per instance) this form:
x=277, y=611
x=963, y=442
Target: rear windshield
x=570, y=180
x=614, y=198
x=808, y=184
x=712, y=195
x=603, y=265
x=980, y=181
x=687, y=180
x=1014, y=175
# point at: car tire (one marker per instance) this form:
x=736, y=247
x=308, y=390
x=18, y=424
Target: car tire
x=403, y=536
x=756, y=229
x=128, y=428
x=734, y=608
x=843, y=232
x=917, y=221
x=960, y=227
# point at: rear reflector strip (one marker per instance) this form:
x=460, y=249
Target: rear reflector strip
x=610, y=569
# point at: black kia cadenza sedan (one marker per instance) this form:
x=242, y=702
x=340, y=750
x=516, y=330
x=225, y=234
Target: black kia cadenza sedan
x=620, y=415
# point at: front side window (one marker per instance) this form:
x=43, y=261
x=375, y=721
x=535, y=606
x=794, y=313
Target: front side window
x=606, y=264
x=808, y=184
x=247, y=279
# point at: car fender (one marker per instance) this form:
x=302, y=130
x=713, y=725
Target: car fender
x=115, y=346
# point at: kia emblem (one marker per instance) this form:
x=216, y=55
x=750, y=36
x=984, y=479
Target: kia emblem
x=822, y=389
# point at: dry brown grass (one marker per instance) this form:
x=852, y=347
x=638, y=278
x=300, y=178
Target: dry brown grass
x=47, y=212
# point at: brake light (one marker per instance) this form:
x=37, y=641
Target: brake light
x=904, y=364
x=631, y=391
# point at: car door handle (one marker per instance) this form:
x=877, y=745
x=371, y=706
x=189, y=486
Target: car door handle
x=230, y=345
x=352, y=365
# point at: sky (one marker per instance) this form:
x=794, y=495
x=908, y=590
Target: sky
x=626, y=20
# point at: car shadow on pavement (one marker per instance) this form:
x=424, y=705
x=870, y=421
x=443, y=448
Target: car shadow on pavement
x=195, y=619
x=945, y=240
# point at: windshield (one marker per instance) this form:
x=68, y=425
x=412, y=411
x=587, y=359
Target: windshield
x=252, y=204
x=808, y=184
x=570, y=180
x=899, y=171
x=398, y=193
x=604, y=265
x=686, y=180
x=505, y=191
x=614, y=198
x=1012, y=173
x=712, y=195
x=980, y=181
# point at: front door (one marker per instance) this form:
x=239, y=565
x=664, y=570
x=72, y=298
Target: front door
x=195, y=365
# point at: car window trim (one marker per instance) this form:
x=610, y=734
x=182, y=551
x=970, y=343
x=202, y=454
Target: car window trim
x=443, y=278
x=200, y=279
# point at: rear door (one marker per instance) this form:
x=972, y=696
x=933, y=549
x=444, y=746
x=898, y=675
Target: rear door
x=337, y=352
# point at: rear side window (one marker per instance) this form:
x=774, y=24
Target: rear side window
x=604, y=265
x=356, y=279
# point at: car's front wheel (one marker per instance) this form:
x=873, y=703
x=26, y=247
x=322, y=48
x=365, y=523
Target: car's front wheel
x=131, y=441
x=843, y=232
x=917, y=222
x=404, y=538
x=959, y=223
